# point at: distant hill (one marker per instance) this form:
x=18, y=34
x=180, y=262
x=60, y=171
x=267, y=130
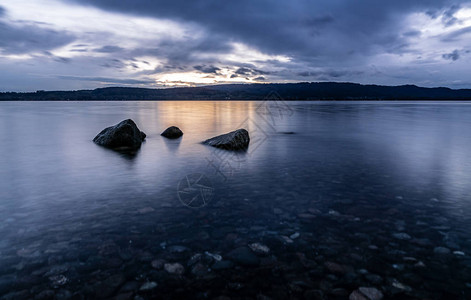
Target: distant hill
x=287, y=91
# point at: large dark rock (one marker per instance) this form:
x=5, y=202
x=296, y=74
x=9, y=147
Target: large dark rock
x=235, y=140
x=173, y=132
x=124, y=135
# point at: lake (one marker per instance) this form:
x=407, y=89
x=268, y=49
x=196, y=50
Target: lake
x=329, y=197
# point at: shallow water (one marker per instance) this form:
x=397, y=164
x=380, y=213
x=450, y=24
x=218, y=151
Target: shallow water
x=372, y=194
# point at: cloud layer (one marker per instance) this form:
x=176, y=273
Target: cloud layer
x=167, y=43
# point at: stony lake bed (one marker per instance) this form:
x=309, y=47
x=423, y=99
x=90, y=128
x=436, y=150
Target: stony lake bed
x=332, y=200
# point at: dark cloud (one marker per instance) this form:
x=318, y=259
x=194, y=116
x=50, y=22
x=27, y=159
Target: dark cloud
x=248, y=71
x=298, y=28
x=455, y=55
x=207, y=69
x=109, y=49
x=448, y=17
x=107, y=80
x=328, y=74
x=454, y=35
x=29, y=38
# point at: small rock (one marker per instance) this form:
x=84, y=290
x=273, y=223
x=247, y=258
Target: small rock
x=294, y=236
x=244, y=256
x=216, y=257
x=356, y=295
x=420, y=264
x=172, y=132
x=458, y=253
x=174, y=268
x=401, y=286
x=335, y=268
x=371, y=293
x=259, y=248
x=148, y=286
x=441, y=250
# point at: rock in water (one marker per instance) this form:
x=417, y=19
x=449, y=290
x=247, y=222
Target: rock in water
x=244, y=256
x=235, y=140
x=172, y=132
x=124, y=135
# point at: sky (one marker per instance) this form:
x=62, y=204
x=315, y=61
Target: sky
x=86, y=44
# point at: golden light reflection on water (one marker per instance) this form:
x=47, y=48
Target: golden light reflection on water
x=204, y=116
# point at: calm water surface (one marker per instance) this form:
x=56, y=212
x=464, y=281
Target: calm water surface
x=344, y=194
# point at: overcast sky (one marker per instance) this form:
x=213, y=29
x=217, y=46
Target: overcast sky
x=82, y=44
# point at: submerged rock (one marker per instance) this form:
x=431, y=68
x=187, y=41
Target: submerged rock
x=148, y=286
x=244, y=256
x=172, y=132
x=235, y=140
x=259, y=248
x=125, y=135
x=371, y=293
x=174, y=268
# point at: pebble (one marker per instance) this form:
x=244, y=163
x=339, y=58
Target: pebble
x=148, y=286
x=294, y=236
x=58, y=280
x=244, y=256
x=401, y=286
x=420, y=264
x=458, y=253
x=356, y=295
x=174, y=268
x=371, y=293
x=402, y=236
x=216, y=257
x=441, y=250
x=259, y=248
x=335, y=267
